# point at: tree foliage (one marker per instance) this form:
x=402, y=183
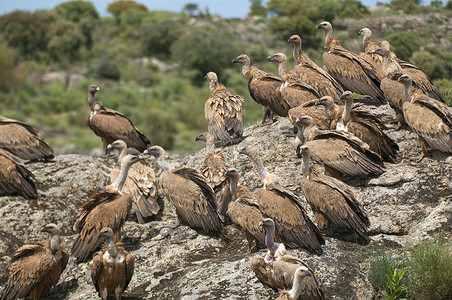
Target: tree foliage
x=403, y=43
x=116, y=8
x=66, y=41
x=108, y=69
x=158, y=36
x=257, y=8
x=77, y=10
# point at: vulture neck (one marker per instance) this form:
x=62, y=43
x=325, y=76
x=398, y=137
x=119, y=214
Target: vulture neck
x=297, y=52
x=306, y=166
x=213, y=84
x=330, y=111
x=111, y=247
x=233, y=186
x=246, y=68
x=347, y=110
x=282, y=68
x=389, y=66
x=90, y=100
x=163, y=164
x=259, y=167
x=119, y=183
x=328, y=37
x=210, y=145
x=269, y=241
x=407, y=92
x=295, y=291
x=367, y=38
x=55, y=242
x=310, y=132
x=122, y=154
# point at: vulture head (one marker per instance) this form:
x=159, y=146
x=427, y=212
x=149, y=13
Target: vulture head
x=106, y=232
x=277, y=57
x=118, y=145
x=384, y=45
x=347, y=96
x=326, y=101
x=380, y=51
x=248, y=150
x=304, y=121
x=305, y=150
x=205, y=137
x=325, y=26
x=301, y=272
x=267, y=224
x=212, y=78
x=232, y=173
x=405, y=80
x=51, y=229
x=365, y=32
x=241, y=59
x=155, y=151
x=93, y=89
x=295, y=39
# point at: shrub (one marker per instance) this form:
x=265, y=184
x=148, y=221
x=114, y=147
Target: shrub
x=158, y=36
x=429, y=63
x=394, y=284
x=76, y=10
x=445, y=87
x=116, y=8
x=108, y=69
x=381, y=265
x=403, y=43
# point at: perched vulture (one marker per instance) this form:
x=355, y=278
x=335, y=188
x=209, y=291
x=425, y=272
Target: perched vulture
x=310, y=109
x=304, y=286
x=293, y=91
x=362, y=123
x=392, y=89
x=35, y=269
x=342, y=153
x=274, y=250
x=284, y=207
x=334, y=203
x=111, y=268
x=353, y=72
x=140, y=185
x=23, y=141
x=15, y=179
x=109, y=208
x=430, y=119
x=111, y=125
x=191, y=195
x=421, y=79
x=244, y=211
x=368, y=45
x=310, y=73
x=214, y=169
x=224, y=113
x=264, y=89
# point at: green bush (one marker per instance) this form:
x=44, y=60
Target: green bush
x=445, y=87
x=158, y=36
x=429, y=63
x=403, y=43
x=76, y=10
x=381, y=265
x=108, y=69
x=396, y=289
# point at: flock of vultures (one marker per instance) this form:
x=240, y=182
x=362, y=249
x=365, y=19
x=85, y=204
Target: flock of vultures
x=344, y=138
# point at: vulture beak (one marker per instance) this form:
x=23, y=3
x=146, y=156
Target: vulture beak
x=319, y=26
x=358, y=33
x=290, y=41
x=306, y=273
x=205, y=77
x=110, y=146
x=44, y=229
x=101, y=234
x=97, y=88
x=270, y=58
x=261, y=224
x=235, y=61
x=198, y=138
x=320, y=102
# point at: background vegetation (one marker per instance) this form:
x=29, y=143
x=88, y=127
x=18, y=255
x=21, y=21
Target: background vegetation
x=150, y=65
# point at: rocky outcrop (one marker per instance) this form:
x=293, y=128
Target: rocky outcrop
x=408, y=202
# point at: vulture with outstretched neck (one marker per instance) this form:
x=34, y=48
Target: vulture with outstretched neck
x=35, y=269
x=264, y=89
x=23, y=141
x=108, y=208
x=362, y=123
x=353, y=72
x=244, y=211
x=15, y=179
x=224, y=113
x=111, y=125
x=430, y=119
x=284, y=207
x=421, y=79
x=370, y=44
x=293, y=91
x=310, y=73
x=140, y=184
x=111, y=268
x=342, y=153
x=187, y=189
x=214, y=168
x=334, y=203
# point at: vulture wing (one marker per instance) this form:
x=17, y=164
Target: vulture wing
x=247, y=217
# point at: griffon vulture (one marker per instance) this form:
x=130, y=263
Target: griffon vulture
x=23, y=141
x=140, y=184
x=284, y=207
x=293, y=91
x=362, y=123
x=223, y=112
x=310, y=73
x=15, y=179
x=108, y=208
x=304, y=286
x=35, y=269
x=191, y=195
x=111, y=125
x=310, y=109
x=353, y=72
x=111, y=268
x=430, y=119
x=368, y=45
x=340, y=152
x=334, y=203
x=264, y=89
x=214, y=169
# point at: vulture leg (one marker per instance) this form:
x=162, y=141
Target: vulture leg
x=250, y=240
x=424, y=148
x=268, y=116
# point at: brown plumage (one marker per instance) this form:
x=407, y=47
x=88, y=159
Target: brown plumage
x=140, y=184
x=15, y=179
x=244, y=211
x=353, y=72
x=109, y=208
x=334, y=203
x=23, y=140
x=264, y=89
x=362, y=123
x=288, y=272
x=293, y=91
x=214, y=168
x=368, y=45
x=284, y=207
x=223, y=112
x=310, y=109
x=421, y=79
x=111, y=268
x=310, y=73
x=35, y=269
x=430, y=119
x=191, y=195
x=342, y=153
x=111, y=125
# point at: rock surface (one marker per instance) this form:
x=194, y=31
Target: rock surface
x=408, y=202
